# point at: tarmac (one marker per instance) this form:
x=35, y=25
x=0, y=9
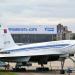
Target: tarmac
x=52, y=65
x=33, y=72
x=43, y=74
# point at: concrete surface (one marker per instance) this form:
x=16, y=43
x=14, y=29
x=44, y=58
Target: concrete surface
x=42, y=74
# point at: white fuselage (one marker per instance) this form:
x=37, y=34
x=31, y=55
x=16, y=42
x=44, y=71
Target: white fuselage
x=45, y=48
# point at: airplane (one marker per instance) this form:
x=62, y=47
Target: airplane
x=36, y=52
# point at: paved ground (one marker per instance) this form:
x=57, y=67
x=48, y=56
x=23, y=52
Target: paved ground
x=35, y=73
x=43, y=74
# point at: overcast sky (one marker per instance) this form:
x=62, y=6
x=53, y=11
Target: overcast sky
x=38, y=12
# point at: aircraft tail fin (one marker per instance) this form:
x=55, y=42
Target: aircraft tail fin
x=6, y=38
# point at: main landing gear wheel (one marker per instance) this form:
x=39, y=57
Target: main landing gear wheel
x=62, y=71
x=42, y=68
x=19, y=69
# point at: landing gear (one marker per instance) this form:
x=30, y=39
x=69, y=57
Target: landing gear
x=7, y=67
x=18, y=68
x=62, y=65
x=42, y=68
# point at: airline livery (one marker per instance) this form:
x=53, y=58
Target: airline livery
x=37, y=52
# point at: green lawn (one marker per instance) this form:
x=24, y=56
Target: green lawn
x=7, y=73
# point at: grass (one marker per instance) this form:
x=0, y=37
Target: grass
x=7, y=73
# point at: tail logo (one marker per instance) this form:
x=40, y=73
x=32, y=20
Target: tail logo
x=5, y=30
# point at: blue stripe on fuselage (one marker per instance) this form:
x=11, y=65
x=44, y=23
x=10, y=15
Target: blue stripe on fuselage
x=39, y=47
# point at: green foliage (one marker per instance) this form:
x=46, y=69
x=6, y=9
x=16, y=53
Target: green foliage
x=7, y=73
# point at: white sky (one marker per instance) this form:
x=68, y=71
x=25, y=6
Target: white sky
x=38, y=12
